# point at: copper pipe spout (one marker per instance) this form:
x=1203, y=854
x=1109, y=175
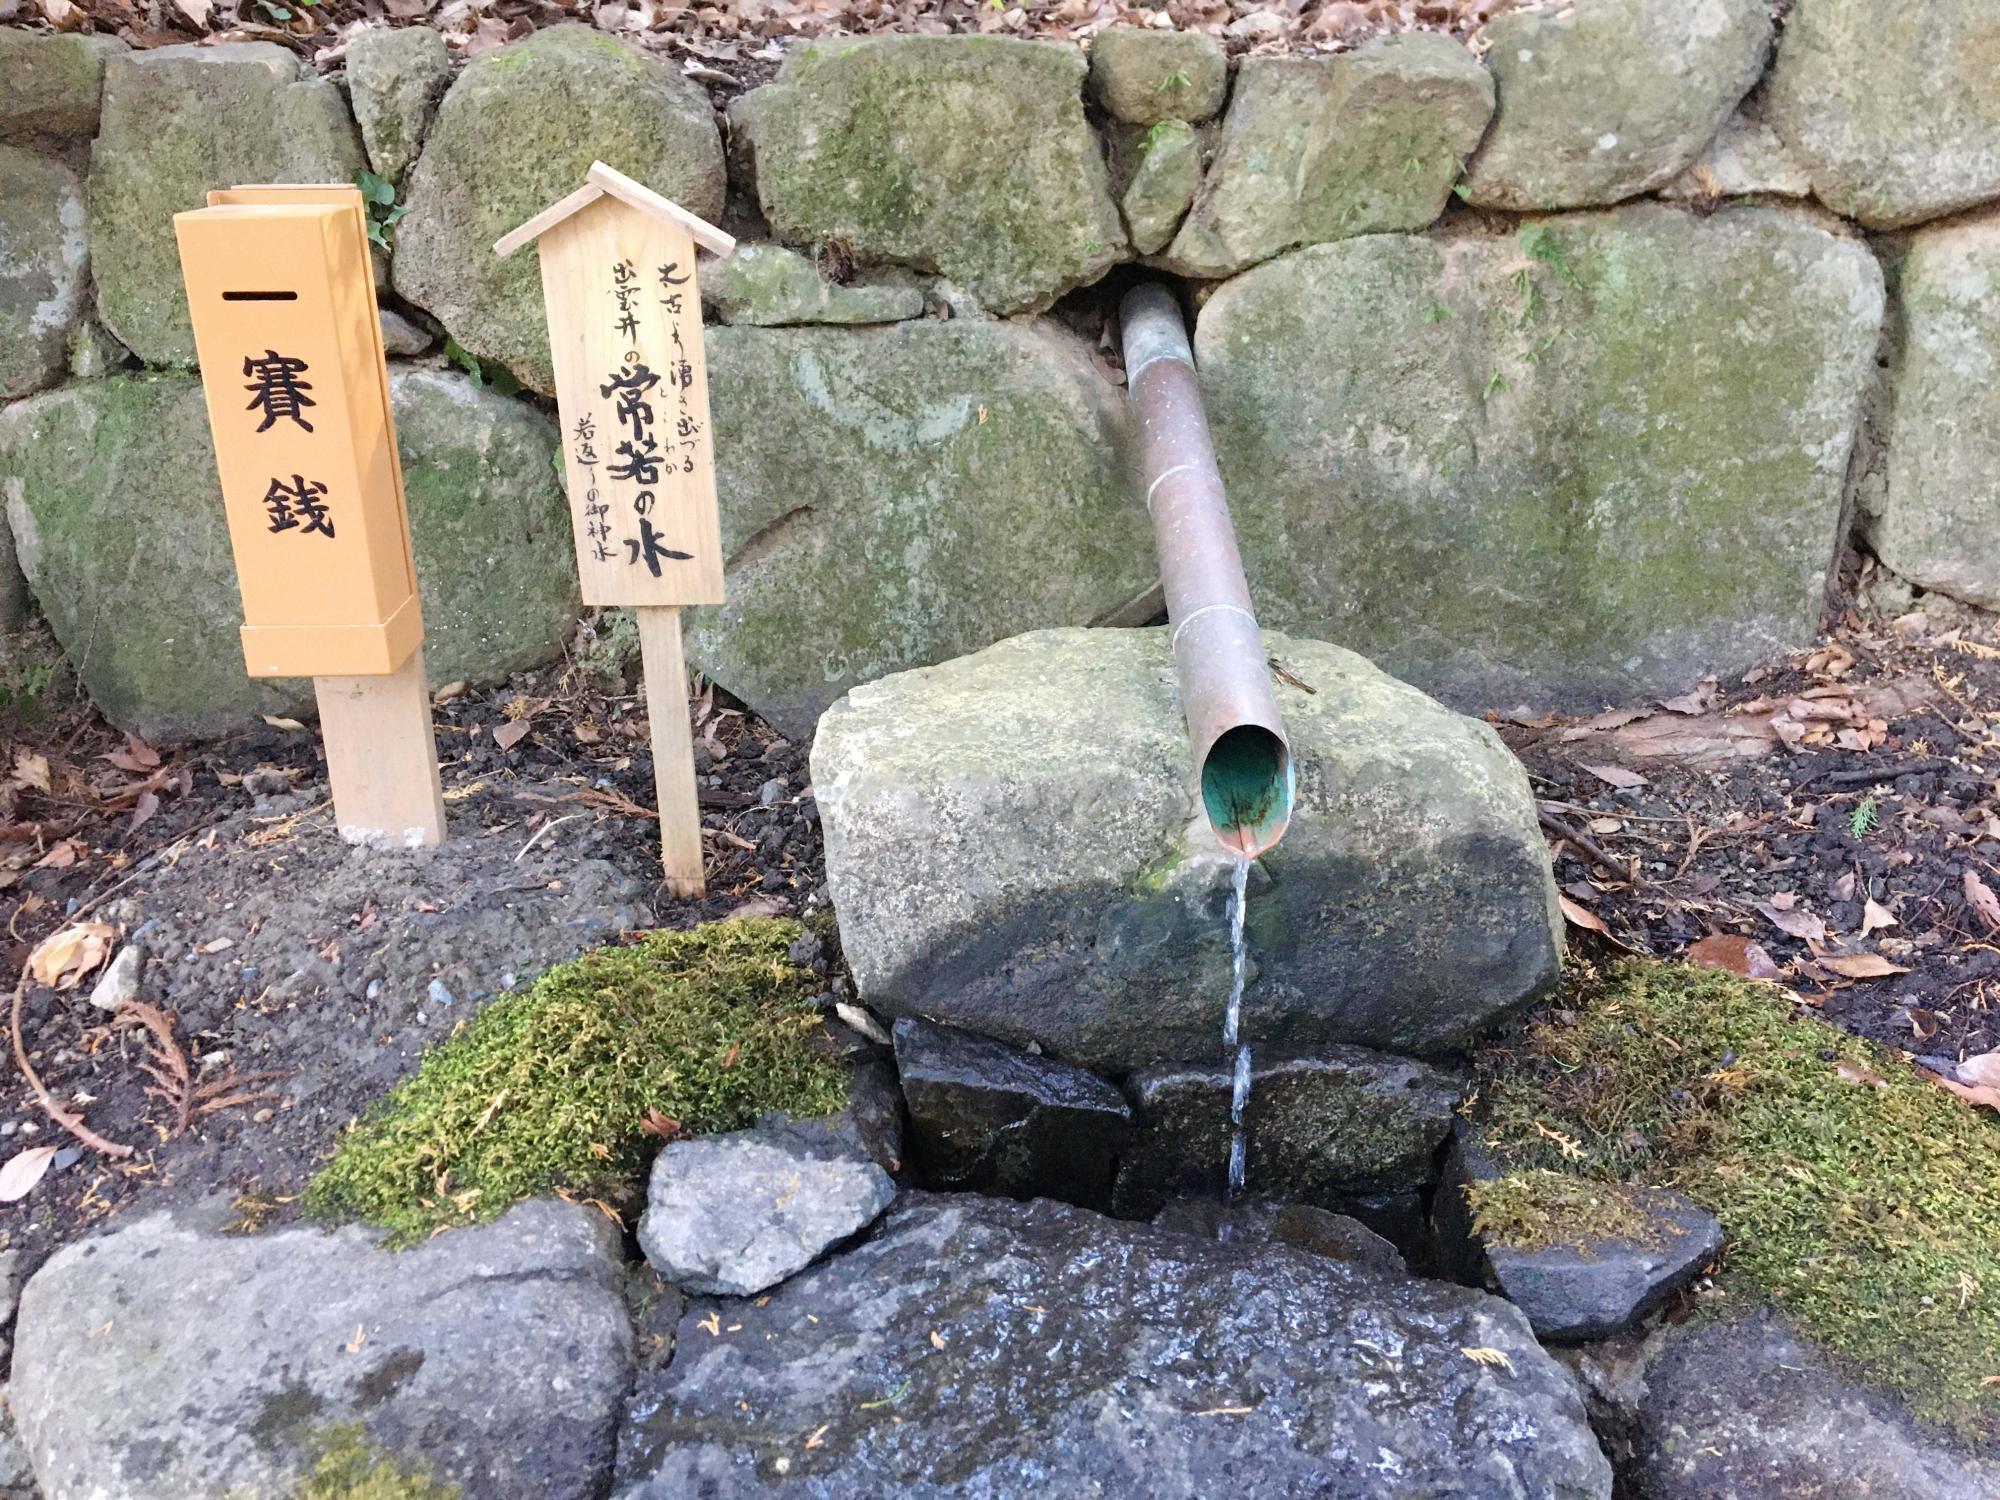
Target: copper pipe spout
x=1240, y=749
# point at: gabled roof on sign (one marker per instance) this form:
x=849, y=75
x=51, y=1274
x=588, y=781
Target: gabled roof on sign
x=607, y=182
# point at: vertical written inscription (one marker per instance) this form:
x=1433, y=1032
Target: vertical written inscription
x=640, y=461
x=278, y=390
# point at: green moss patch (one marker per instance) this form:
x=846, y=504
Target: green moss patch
x=349, y=1467
x=1856, y=1195
x=546, y=1089
x=1540, y=1209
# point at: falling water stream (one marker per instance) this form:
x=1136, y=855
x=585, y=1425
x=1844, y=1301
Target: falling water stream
x=1232, y=1024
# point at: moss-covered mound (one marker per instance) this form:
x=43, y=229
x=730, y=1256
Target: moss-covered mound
x=1856, y=1194
x=549, y=1088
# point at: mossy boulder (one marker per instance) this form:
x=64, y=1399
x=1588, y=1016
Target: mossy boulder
x=112, y=495
x=1015, y=846
x=964, y=155
x=897, y=496
x=709, y=1029
x=51, y=85
x=1894, y=109
x=179, y=121
x=1315, y=149
x=1859, y=1199
x=1608, y=99
x=395, y=77
x=1940, y=514
x=1142, y=75
x=769, y=285
x=517, y=131
x=1584, y=462
x=1163, y=183
x=1747, y=157
x=42, y=261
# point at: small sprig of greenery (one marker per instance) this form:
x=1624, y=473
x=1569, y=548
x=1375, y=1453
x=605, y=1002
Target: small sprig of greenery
x=1863, y=820
x=384, y=212
x=483, y=373
x=1173, y=82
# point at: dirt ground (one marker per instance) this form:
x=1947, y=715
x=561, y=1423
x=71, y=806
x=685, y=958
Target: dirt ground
x=276, y=949
x=1735, y=814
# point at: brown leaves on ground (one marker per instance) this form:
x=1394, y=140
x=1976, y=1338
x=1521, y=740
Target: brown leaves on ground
x=188, y=1096
x=65, y=957
x=1984, y=904
x=1740, y=956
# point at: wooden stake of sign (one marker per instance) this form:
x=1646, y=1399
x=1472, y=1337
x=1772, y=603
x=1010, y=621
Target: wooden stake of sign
x=282, y=298
x=624, y=315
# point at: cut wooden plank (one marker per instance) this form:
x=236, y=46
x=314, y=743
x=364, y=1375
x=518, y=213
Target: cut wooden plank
x=645, y=199
x=381, y=757
x=673, y=748
x=546, y=220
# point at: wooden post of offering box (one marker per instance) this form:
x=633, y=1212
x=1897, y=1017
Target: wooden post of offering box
x=618, y=281
x=283, y=303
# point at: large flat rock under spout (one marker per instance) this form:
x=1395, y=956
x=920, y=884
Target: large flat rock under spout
x=1015, y=845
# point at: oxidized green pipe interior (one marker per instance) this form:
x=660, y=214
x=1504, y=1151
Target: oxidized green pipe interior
x=1246, y=788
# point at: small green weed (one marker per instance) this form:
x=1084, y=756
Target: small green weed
x=482, y=373
x=1864, y=819
x=384, y=212
x=1173, y=82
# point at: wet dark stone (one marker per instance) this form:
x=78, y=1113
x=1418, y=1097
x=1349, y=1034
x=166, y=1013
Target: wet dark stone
x=980, y=1347
x=1323, y=1128
x=1254, y=1221
x=988, y=1117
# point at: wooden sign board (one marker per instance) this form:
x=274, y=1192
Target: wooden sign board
x=282, y=298
x=625, y=332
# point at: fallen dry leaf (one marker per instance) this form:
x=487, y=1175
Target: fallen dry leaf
x=277, y=723
x=1983, y=1070
x=66, y=956
x=1618, y=776
x=1861, y=965
x=23, y=1170
x=1985, y=905
x=511, y=733
x=1985, y=1096
x=1854, y=1072
x=1740, y=956
x=1875, y=915
x=32, y=770
x=1802, y=925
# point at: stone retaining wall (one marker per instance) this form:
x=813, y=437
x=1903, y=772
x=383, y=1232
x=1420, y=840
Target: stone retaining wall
x=1538, y=368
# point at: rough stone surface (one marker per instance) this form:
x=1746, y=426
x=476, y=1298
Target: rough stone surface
x=1608, y=99
x=1409, y=906
x=986, y=1117
x=403, y=336
x=1744, y=1408
x=111, y=493
x=395, y=77
x=1163, y=184
x=1143, y=75
x=896, y=496
x=179, y=121
x=1940, y=516
x=1038, y=1349
x=53, y=85
x=1746, y=157
x=1581, y=476
x=93, y=353
x=1597, y=1287
x=518, y=130
x=1256, y=1221
x=42, y=268
x=1895, y=110
x=733, y=1214
x=768, y=285
x=118, y=985
x=1315, y=150
x=964, y=155
x=166, y=1359
x=1321, y=1128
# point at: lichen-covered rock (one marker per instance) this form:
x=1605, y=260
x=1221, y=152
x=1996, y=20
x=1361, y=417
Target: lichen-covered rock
x=1143, y=75
x=769, y=285
x=964, y=155
x=395, y=77
x=1743, y=1407
x=1321, y=1128
x=112, y=494
x=1607, y=99
x=1939, y=525
x=171, y=1360
x=1746, y=157
x=1583, y=464
x=1895, y=110
x=974, y=1346
x=1315, y=150
x=1409, y=906
x=51, y=85
x=896, y=496
x=179, y=121
x=42, y=261
x=518, y=130
x=1163, y=184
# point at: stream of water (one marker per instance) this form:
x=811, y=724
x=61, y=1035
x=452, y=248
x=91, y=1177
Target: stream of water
x=1232, y=1023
